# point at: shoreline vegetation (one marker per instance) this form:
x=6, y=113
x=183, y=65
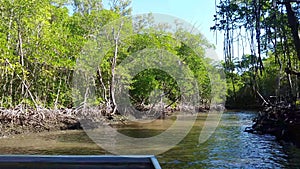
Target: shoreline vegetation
x=40, y=56
x=270, y=69
x=22, y=120
x=50, y=61
x=280, y=120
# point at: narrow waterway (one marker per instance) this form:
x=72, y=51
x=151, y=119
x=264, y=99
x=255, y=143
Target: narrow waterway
x=231, y=147
x=228, y=147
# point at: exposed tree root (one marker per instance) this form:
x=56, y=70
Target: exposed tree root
x=280, y=120
x=20, y=120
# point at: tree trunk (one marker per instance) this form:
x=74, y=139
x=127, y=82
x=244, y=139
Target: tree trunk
x=294, y=25
x=100, y=78
x=21, y=54
x=113, y=68
x=112, y=84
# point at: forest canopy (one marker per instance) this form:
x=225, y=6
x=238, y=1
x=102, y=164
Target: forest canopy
x=269, y=71
x=41, y=41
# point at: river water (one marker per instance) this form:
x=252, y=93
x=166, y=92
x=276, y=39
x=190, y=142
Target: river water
x=228, y=147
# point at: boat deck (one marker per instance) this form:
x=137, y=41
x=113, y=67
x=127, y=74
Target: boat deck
x=78, y=162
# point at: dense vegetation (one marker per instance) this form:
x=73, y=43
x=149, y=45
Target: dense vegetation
x=269, y=71
x=40, y=42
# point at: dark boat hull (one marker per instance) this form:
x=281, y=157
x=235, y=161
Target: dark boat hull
x=78, y=162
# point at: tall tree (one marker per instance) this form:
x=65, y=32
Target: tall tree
x=262, y=26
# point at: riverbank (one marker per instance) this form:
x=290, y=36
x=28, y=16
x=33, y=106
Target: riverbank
x=281, y=121
x=23, y=120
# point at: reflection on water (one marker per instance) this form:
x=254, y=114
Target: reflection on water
x=228, y=147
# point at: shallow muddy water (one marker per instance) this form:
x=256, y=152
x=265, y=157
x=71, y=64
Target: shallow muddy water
x=228, y=147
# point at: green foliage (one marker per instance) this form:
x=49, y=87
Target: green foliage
x=40, y=42
x=271, y=28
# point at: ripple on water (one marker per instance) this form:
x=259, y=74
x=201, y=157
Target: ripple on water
x=231, y=147
x=228, y=147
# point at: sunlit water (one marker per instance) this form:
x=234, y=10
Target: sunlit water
x=228, y=147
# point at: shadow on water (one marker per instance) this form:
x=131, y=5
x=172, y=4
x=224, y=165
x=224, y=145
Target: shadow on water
x=80, y=137
x=228, y=147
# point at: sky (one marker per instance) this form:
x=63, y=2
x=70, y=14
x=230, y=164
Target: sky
x=196, y=12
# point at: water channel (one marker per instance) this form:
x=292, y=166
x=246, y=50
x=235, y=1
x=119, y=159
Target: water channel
x=228, y=147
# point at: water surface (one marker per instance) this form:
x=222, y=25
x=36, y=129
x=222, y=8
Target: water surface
x=228, y=147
